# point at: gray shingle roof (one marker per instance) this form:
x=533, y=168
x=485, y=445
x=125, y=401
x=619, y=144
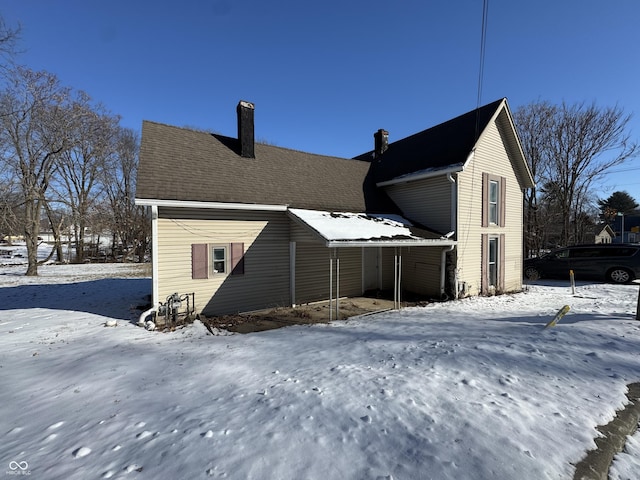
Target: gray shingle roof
x=187, y=165
x=446, y=144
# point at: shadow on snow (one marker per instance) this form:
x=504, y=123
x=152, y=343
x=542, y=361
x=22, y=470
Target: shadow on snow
x=118, y=298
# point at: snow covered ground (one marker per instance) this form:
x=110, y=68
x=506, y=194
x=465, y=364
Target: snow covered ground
x=472, y=389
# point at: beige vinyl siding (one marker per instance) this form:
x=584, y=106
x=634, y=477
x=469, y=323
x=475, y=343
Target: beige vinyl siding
x=302, y=234
x=265, y=281
x=387, y=258
x=427, y=202
x=490, y=157
x=350, y=271
x=421, y=270
x=312, y=272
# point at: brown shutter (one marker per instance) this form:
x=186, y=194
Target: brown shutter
x=199, y=261
x=484, y=259
x=485, y=199
x=237, y=258
x=503, y=204
x=501, y=265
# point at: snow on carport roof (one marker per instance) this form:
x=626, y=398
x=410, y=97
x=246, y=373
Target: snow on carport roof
x=344, y=229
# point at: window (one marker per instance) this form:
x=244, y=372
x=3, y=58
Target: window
x=208, y=261
x=493, y=262
x=219, y=259
x=494, y=188
x=493, y=200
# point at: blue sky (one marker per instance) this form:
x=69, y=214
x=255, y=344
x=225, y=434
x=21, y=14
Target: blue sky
x=326, y=75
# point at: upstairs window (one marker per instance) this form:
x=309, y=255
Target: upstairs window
x=493, y=200
x=494, y=189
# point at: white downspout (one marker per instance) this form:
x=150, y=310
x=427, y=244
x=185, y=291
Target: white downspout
x=454, y=203
x=154, y=256
x=154, y=271
x=454, y=228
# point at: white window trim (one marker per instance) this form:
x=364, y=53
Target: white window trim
x=494, y=219
x=213, y=248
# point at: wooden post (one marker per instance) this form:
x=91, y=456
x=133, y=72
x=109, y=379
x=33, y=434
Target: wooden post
x=573, y=282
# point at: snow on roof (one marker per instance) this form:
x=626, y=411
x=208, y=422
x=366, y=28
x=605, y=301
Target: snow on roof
x=360, y=229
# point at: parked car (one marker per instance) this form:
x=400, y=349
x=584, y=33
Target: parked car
x=617, y=263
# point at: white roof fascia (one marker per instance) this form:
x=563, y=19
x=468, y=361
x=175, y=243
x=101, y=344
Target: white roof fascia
x=422, y=175
x=216, y=205
x=391, y=243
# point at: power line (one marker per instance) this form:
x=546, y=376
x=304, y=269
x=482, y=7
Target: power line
x=483, y=42
x=621, y=170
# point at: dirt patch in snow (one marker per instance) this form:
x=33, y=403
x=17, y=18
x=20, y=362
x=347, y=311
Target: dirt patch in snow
x=301, y=315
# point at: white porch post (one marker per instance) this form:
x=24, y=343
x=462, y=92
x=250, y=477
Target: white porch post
x=330, y=285
x=337, y=288
x=397, y=277
x=292, y=273
x=334, y=254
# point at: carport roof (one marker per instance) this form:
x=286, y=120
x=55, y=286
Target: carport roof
x=345, y=229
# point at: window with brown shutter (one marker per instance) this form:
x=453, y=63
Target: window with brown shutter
x=224, y=259
x=493, y=200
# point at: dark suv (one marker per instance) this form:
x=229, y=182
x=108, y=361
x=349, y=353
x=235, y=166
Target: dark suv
x=617, y=263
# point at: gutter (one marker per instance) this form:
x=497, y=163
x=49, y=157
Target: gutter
x=390, y=243
x=153, y=202
x=422, y=175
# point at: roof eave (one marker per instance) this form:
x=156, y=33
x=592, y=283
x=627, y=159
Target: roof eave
x=391, y=243
x=421, y=176
x=150, y=202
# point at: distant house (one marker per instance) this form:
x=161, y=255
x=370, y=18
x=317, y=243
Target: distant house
x=245, y=226
x=603, y=233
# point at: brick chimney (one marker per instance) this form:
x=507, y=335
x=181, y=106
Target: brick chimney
x=245, y=129
x=381, y=142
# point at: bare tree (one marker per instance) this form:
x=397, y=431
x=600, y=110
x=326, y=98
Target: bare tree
x=533, y=122
x=8, y=39
x=586, y=141
x=130, y=224
x=79, y=170
x=576, y=145
x=35, y=113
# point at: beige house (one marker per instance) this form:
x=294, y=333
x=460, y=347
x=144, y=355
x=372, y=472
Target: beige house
x=244, y=226
x=603, y=233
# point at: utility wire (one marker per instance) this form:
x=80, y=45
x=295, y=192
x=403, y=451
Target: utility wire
x=483, y=42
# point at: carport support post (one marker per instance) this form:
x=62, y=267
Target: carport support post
x=337, y=288
x=332, y=254
x=397, y=278
x=638, y=307
x=330, y=285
